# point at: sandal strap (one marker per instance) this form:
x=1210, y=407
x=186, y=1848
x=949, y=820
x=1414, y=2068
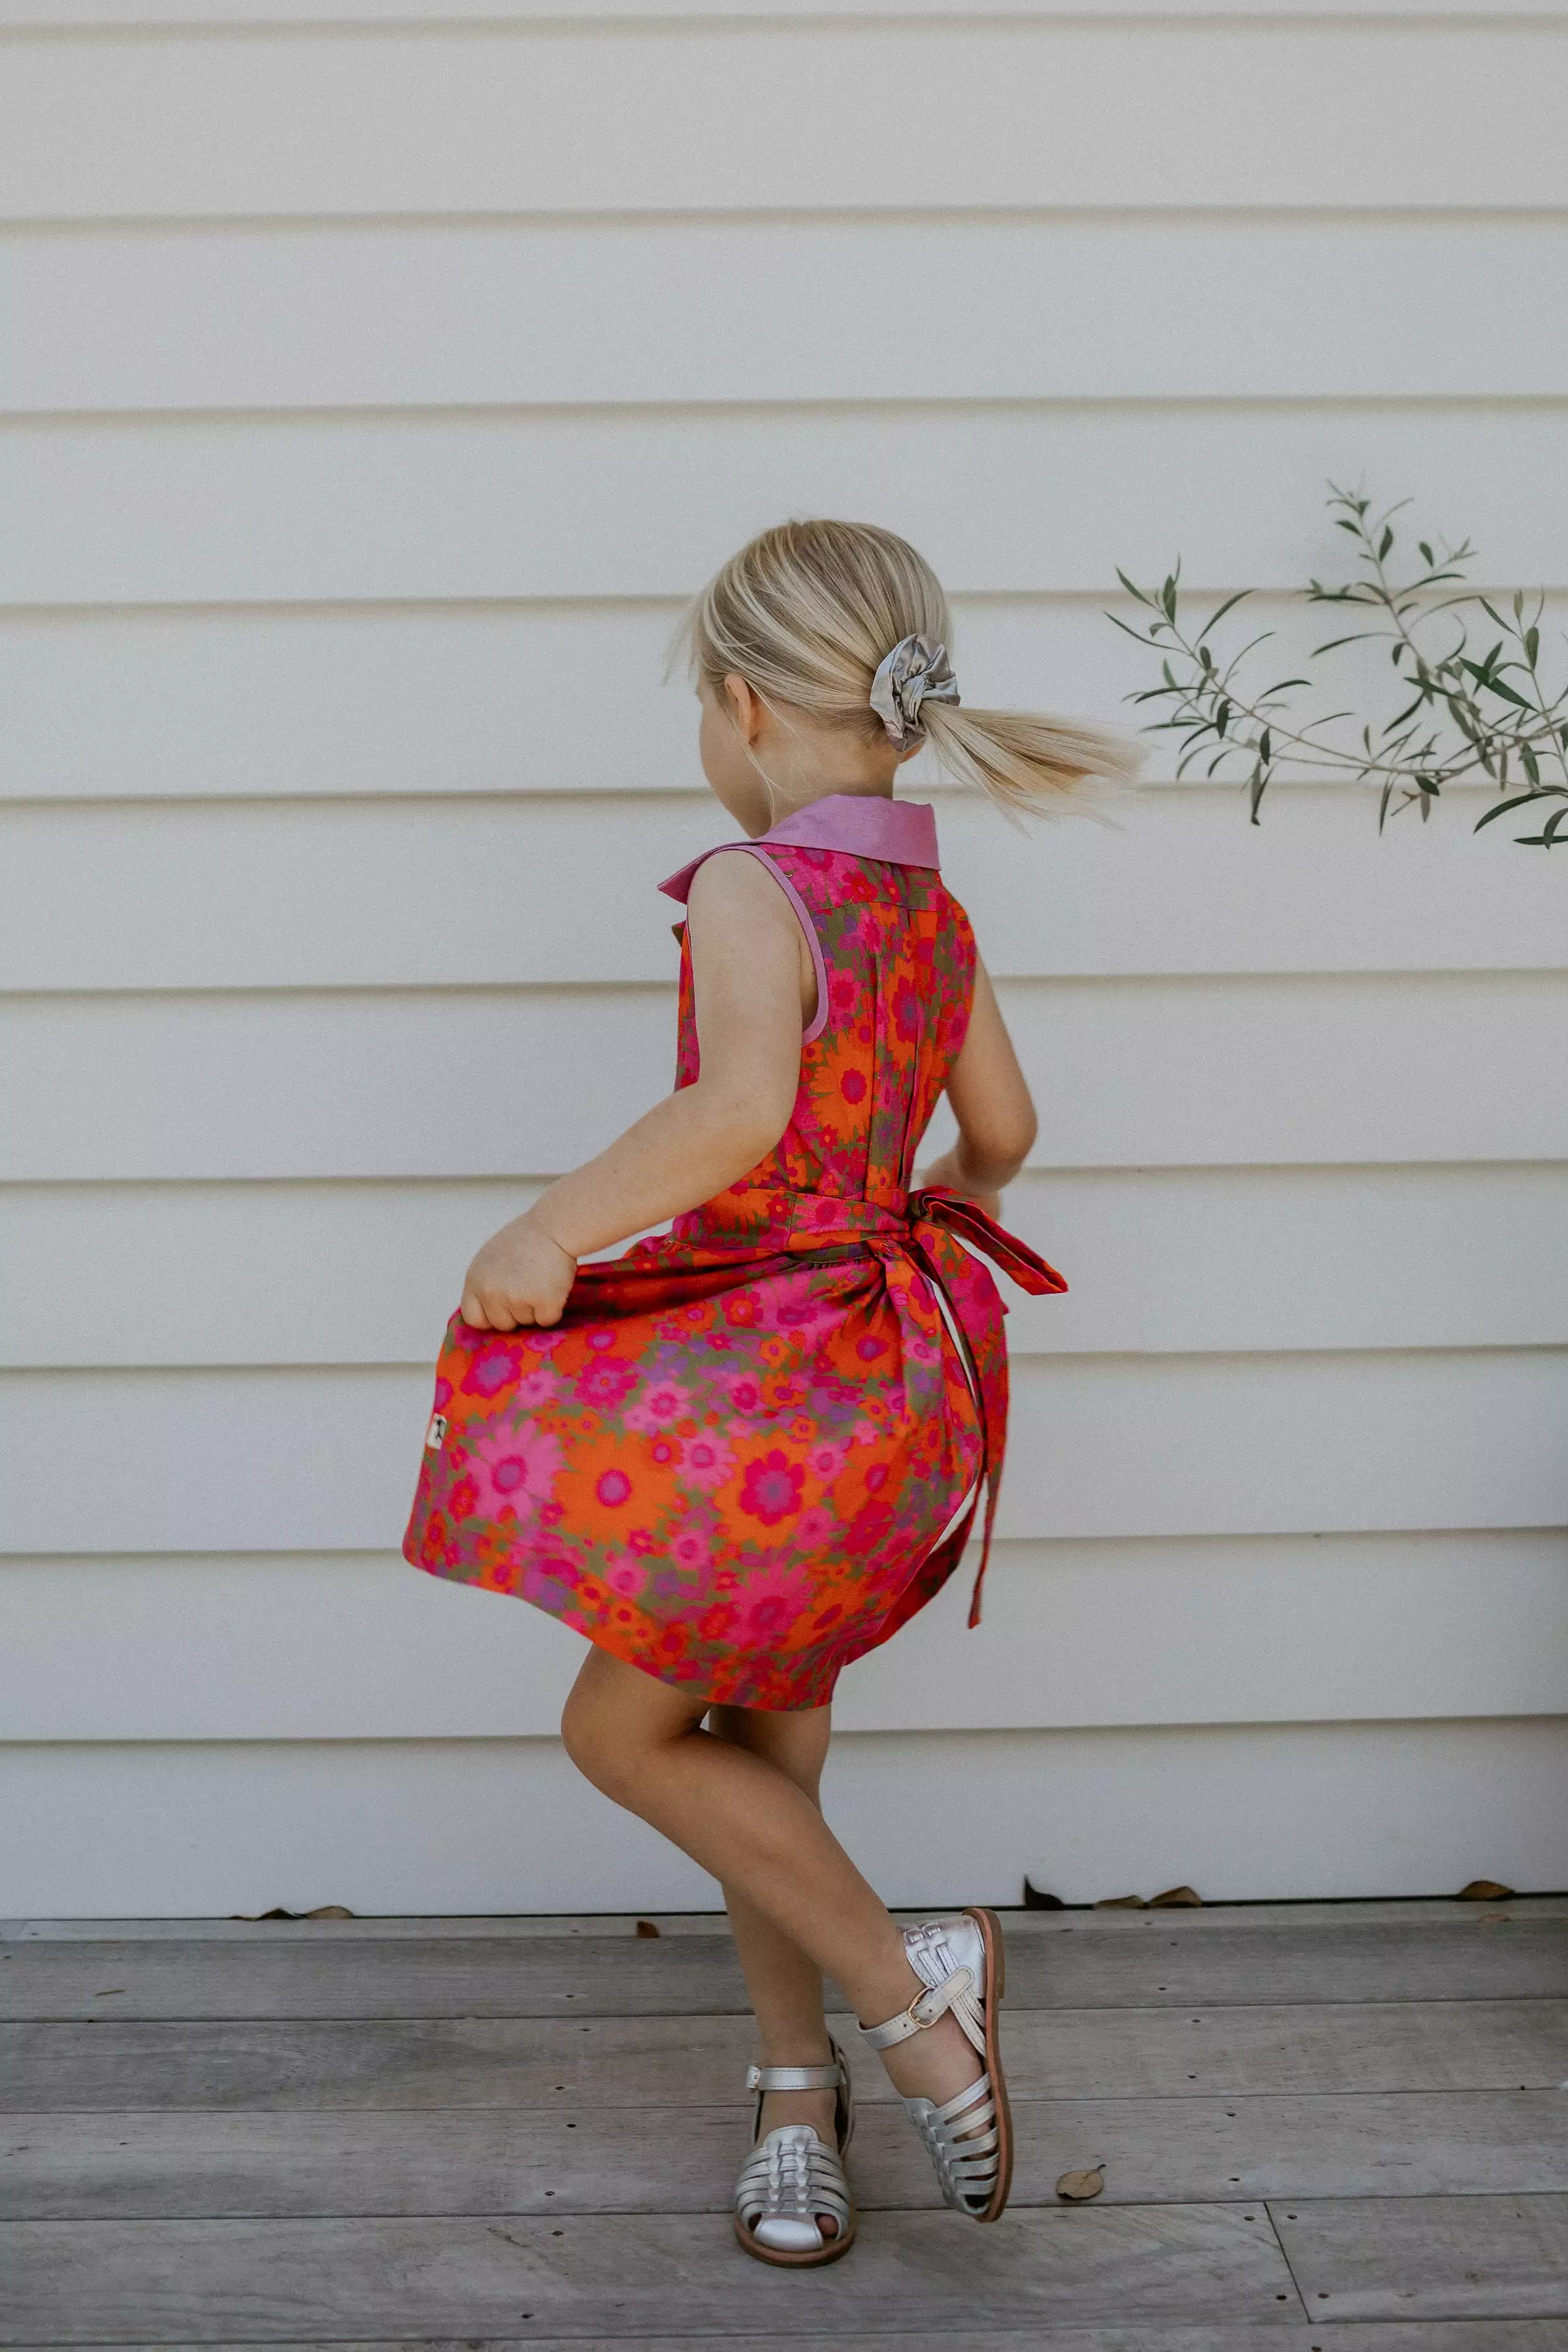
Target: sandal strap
x=797, y=2078
x=792, y=2165
x=791, y=2176
x=955, y=1992
x=963, y=2142
x=834, y=2076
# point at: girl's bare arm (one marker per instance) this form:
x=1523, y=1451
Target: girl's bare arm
x=990, y=1101
x=754, y=983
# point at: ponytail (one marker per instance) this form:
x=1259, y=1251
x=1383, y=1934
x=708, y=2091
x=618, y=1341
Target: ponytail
x=848, y=623
x=1029, y=762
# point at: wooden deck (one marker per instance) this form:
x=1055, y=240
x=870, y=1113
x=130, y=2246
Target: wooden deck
x=1339, y=2126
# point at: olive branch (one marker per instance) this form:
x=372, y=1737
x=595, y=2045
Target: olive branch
x=1465, y=720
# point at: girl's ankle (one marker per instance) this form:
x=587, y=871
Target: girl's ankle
x=816, y=2108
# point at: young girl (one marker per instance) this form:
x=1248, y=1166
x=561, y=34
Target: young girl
x=743, y=1455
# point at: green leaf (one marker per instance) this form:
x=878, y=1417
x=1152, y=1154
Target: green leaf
x=1531, y=767
x=1132, y=589
x=1519, y=799
x=1221, y=611
x=1222, y=718
x=1426, y=555
x=1384, y=543
x=1484, y=675
x=1265, y=747
x=1335, y=643
x=1127, y=629
x=1532, y=647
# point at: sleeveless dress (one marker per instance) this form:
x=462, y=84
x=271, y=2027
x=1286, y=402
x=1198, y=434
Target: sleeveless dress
x=753, y=1446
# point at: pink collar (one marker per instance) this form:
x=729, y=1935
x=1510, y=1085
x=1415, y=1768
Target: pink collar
x=897, y=832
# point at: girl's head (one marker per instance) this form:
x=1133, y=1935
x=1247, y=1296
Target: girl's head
x=786, y=642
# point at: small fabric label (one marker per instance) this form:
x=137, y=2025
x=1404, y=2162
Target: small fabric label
x=435, y=1435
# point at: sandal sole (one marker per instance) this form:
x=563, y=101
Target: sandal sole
x=990, y=1928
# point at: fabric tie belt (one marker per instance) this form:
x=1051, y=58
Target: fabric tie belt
x=701, y=1258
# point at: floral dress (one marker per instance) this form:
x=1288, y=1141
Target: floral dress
x=753, y=1447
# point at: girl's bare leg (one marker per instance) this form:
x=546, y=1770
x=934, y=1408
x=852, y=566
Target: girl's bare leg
x=784, y=1981
x=743, y=1818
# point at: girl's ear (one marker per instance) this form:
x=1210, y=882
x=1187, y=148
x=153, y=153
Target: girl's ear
x=745, y=708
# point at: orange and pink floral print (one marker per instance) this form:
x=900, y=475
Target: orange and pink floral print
x=736, y=1461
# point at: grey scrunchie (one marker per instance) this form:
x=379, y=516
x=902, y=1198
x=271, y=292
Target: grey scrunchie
x=916, y=671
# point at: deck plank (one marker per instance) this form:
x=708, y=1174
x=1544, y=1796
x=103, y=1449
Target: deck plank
x=1160, y=2335
x=1406, y=1912
x=662, y=2160
x=619, y=1976
x=207, y=2281
x=1446, y=2257
x=663, y=2062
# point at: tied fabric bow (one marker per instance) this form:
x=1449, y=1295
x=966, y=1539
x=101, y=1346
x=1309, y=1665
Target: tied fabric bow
x=915, y=672
x=805, y=1225
x=939, y=1218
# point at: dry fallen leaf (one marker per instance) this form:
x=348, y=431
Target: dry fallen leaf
x=1174, y=1898
x=1121, y=1903
x=647, y=1928
x=323, y=1911
x=1078, y=2187
x=1483, y=1890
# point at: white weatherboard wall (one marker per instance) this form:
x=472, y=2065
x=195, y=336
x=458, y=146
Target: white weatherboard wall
x=377, y=376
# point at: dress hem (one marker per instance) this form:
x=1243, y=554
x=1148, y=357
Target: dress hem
x=601, y=1637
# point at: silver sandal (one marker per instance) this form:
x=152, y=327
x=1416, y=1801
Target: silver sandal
x=790, y=2177
x=962, y=1964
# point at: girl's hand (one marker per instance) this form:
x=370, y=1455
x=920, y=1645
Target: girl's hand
x=946, y=1171
x=520, y=1276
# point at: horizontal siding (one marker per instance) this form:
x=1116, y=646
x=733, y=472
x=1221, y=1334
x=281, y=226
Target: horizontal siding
x=325, y=1459
x=355, y=894
x=523, y=1082
x=1160, y=1260
x=592, y=503
x=556, y=697
x=1318, y=1629
x=469, y=315
x=65, y=15
x=627, y=118
x=1256, y=1812
x=372, y=400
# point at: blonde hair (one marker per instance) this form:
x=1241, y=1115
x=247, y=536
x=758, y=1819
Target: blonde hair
x=807, y=611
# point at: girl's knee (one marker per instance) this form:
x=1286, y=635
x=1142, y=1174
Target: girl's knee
x=611, y=1745
x=594, y=1741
